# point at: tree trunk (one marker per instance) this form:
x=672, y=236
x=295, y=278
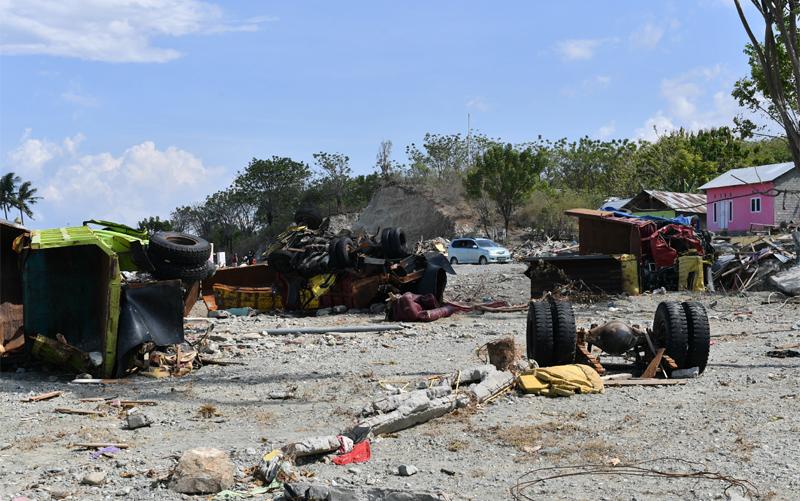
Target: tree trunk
x=21, y=216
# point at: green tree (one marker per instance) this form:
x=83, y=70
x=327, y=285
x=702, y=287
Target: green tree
x=335, y=170
x=774, y=68
x=274, y=186
x=507, y=176
x=8, y=192
x=154, y=224
x=445, y=155
x=25, y=198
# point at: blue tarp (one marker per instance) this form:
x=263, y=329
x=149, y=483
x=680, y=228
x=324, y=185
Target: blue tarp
x=686, y=221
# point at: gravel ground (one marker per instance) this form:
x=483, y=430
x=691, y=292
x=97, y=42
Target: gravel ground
x=739, y=418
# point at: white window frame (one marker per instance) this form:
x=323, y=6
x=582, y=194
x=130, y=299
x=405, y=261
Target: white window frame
x=753, y=202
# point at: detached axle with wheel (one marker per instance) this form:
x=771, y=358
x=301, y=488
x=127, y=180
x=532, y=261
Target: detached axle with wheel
x=680, y=333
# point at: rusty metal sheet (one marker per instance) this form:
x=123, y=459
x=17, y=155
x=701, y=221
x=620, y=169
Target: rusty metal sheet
x=600, y=272
x=257, y=275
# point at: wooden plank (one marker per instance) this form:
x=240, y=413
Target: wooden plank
x=44, y=396
x=80, y=412
x=644, y=382
x=652, y=367
x=100, y=445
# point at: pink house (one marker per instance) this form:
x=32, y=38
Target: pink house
x=752, y=198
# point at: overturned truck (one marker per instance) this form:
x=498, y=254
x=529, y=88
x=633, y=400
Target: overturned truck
x=98, y=298
x=308, y=267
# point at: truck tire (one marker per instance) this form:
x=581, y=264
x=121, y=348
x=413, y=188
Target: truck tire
x=339, y=254
x=699, y=335
x=539, y=333
x=165, y=270
x=178, y=248
x=393, y=243
x=564, y=332
x=281, y=261
x=308, y=217
x=670, y=331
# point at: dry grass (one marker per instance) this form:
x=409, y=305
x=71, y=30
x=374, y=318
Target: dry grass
x=457, y=445
x=208, y=411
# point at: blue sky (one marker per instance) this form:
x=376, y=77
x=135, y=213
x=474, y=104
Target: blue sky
x=118, y=111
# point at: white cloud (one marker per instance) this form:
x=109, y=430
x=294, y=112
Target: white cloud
x=581, y=49
x=648, y=35
x=29, y=157
x=141, y=181
x=607, y=130
x=698, y=99
x=588, y=86
x=111, y=31
x=79, y=99
x=478, y=104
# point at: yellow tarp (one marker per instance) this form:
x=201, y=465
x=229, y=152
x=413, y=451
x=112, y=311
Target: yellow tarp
x=561, y=380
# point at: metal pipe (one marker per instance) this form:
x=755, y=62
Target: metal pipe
x=325, y=330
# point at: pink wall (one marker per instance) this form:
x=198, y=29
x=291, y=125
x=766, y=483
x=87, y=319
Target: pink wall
x=740, y=197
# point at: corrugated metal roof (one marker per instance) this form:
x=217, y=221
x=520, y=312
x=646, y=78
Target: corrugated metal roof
x=749, y=175
x=681, y=202
x=614, y=203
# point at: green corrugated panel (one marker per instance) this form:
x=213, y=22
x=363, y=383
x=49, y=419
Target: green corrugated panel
x=66, y=237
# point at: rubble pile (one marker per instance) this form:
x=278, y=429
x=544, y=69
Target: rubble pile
x=539, y=248
x=437, y=244
x=753, y=263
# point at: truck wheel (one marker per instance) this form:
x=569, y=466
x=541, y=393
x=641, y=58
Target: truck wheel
x=308, y=217
x=699, y=334
x=539, y=333
x=188, y=273
x=339, y=253
x=393, y=243
x=670, y=331
x=564, y=332
x=178, y=248
x=281, y=261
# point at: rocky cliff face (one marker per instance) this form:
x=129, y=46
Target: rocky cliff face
x=419, y=215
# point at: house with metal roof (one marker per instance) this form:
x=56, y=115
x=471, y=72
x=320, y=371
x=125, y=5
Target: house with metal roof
x=667, y=204
x=753, y=198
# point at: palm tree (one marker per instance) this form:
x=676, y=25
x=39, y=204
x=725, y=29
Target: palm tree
x=8, y=192
x=26, y=196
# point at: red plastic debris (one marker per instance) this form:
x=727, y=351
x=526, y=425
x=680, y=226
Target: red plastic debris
x=361, y=453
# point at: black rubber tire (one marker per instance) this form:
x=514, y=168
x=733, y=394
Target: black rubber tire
x=339, y=254
x=281, y=261
x=165, y=270
x=308, y=217
x=483, y=261
x=178, y=248
x=699, y=335
x=539, y=333
x=453, y=260
x=393, y=243
x=565, y=336
x=670, y=331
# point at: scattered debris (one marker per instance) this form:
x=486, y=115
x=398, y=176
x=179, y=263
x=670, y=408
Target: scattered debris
x=561, y=381
x=406, y=470
x=43, y=396
x=783, y=353
x=94, y=478
x=202, y=471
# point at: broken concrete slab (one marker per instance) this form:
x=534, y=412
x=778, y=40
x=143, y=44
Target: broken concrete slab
x=407, y=416
x=494, y=383
x=787, y=281
x=312, y=446
x=203, y=471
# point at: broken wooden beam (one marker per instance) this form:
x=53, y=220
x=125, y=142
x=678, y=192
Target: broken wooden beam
x=43, y=396
x=652, y=367
x=79, y=412
x=644, y=382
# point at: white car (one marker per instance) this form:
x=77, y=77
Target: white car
x=477, y=250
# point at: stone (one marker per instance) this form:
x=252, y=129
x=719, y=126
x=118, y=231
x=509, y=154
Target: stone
x=406, y=470
x=322, y=312
x=203, y=471
x=137, y=420
x=340, y=308
x=94, y=478
x=58, y=492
